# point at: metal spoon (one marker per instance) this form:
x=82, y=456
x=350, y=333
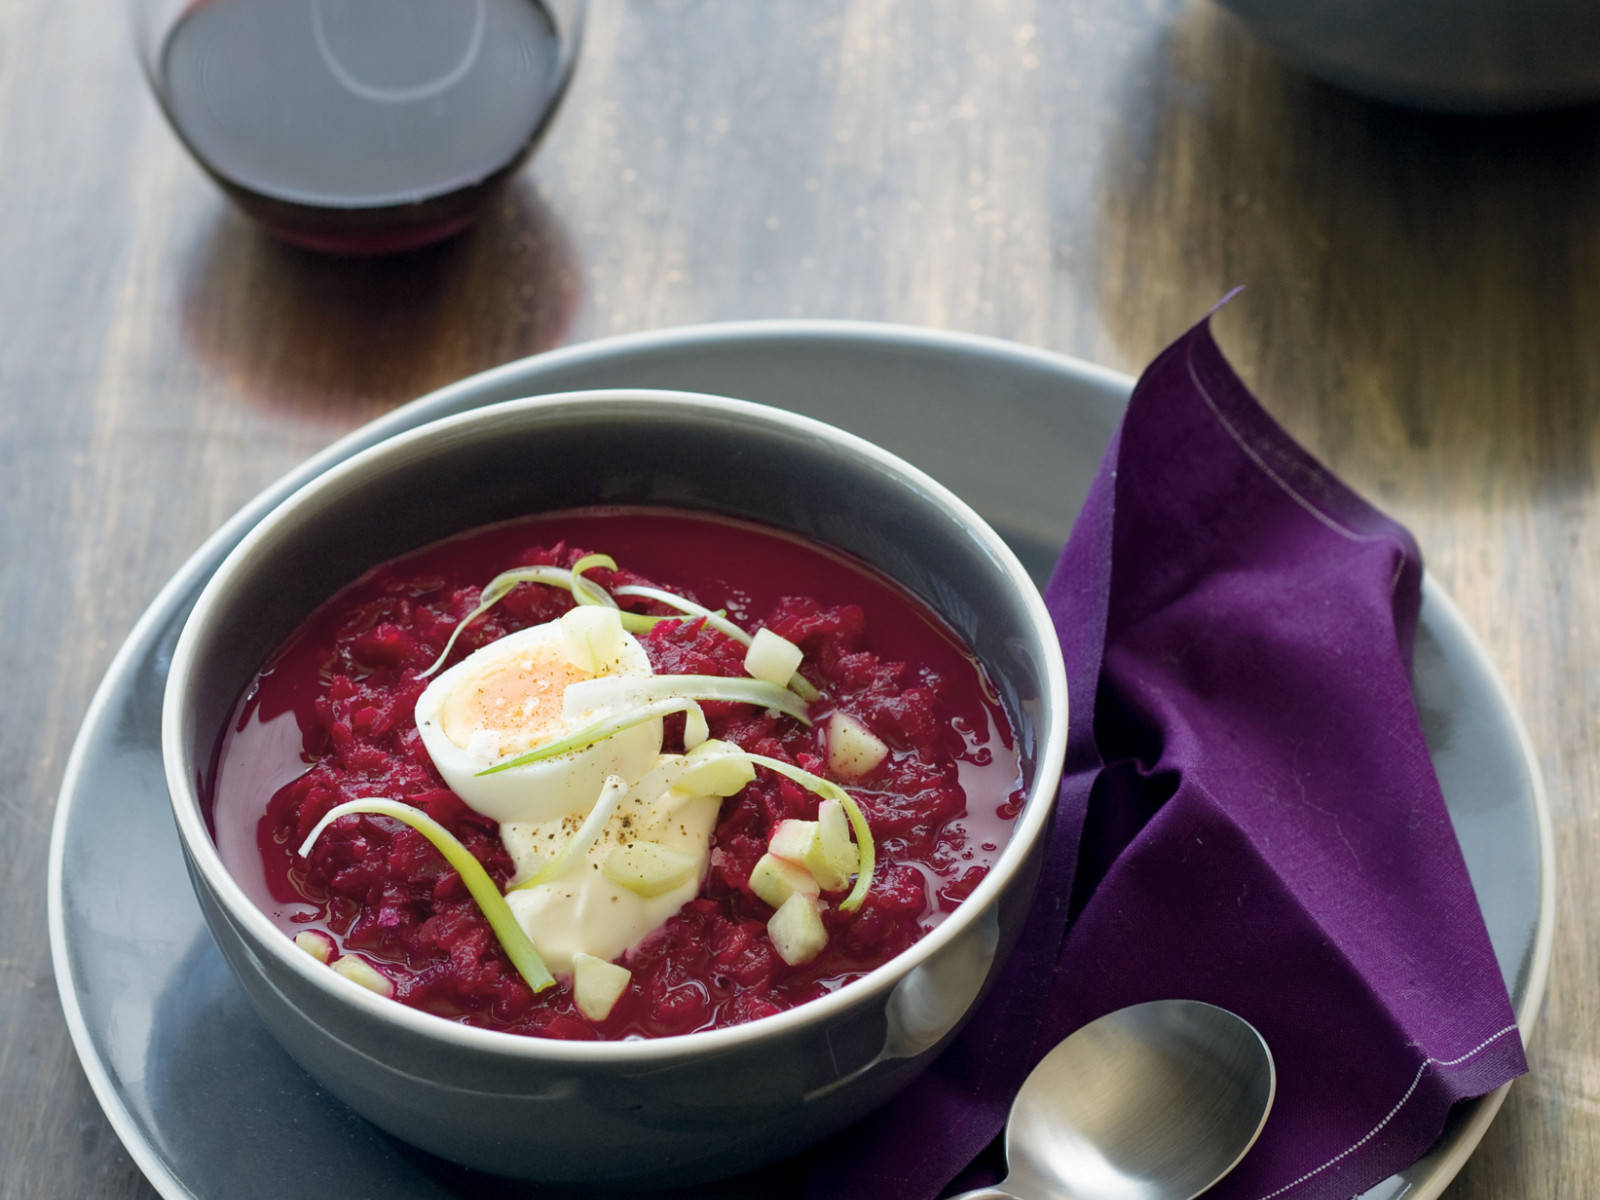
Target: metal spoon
x=1153, y=1102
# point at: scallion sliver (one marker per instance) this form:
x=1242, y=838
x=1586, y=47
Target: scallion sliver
x=513, y=940
x=858, y=822
x=584, y=591
x=798, y=683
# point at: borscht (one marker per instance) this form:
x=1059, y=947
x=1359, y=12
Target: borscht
x=614, y=773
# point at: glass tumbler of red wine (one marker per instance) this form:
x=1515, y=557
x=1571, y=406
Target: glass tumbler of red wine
x=360, y=126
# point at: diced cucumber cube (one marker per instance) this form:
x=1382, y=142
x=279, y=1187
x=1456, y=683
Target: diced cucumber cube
x=358, y=970
x=597, y=985
x=775, y=879
x=797, y=931
x=853, y=749
x=833, y=858
x=792, y=840
x=772, y=657
x=648, y=868
x=315, y=943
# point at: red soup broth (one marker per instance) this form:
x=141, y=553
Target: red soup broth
x=329, y=719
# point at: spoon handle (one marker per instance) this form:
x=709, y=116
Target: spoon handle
x=984, y=1193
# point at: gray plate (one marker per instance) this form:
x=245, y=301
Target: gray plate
x=168, y=1041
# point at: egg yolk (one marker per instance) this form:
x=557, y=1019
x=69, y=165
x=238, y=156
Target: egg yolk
x=512, y=705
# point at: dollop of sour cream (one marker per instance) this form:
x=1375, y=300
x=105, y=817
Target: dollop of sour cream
x=510, y=697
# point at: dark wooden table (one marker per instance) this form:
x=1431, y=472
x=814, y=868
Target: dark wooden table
x=1083, y=175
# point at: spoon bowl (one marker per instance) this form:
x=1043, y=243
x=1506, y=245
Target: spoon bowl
x=1157, y=1101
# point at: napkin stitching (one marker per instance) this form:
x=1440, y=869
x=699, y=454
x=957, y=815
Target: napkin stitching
x=1266, y=469
x=1395, y=1111
x=1287, y=488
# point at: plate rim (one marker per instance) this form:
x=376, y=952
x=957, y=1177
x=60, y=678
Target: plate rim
x=1440, y=1171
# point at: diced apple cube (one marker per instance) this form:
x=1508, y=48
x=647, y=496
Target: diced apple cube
x=775, y=879
x=772, y=657
x=796, y=930
x=853, y=749
x=792, y=840
x=833, y=858
x=358, y=970
x=648, y=868
x=315, y=943
x=597, y=985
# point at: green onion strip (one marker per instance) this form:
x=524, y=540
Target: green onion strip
x=513, y=939
x=686, y=606
x=611, y=691
x=666, y=774
x=637, y=699
x=600, y=730
x=586, y=591
x=798, y=683
x=611, y=795
x=495, y=591
x=670, y=771
x=858, y=822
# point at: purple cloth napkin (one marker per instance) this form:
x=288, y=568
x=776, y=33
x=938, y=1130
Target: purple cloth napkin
x=1250, y=808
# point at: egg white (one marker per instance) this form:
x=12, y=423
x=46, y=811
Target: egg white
x=468, y=721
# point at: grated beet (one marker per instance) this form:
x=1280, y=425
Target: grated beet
x=349, y=677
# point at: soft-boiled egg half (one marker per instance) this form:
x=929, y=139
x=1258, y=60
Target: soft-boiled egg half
x=509, y=698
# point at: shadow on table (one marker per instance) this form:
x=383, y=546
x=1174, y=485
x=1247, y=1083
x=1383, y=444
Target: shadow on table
x=322, y=336
x=1446, y=263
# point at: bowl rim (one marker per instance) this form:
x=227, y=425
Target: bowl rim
x=205, y=861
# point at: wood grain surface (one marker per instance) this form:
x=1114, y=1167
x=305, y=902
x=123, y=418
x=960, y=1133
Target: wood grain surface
x=1423, y=311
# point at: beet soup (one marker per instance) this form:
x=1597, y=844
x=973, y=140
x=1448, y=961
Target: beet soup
x=659, y=911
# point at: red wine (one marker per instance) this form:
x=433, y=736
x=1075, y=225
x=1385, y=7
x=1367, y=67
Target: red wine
x=362, y=125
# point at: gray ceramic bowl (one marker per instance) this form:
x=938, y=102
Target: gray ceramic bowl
x=1452, y=55
x=672, y=1110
